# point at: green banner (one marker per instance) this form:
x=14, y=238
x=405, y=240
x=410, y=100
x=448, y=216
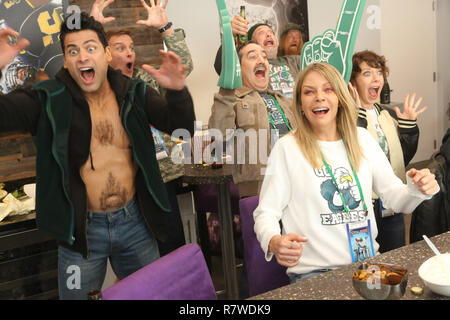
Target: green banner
x=336, y=46
x=230, y=76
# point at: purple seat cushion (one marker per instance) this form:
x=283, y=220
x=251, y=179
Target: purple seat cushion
x=180, y=275
x=262, y=276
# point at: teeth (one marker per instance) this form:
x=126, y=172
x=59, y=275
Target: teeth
x=320, y=110
x=85, y=69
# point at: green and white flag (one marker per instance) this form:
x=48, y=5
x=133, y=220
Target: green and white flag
x=336, y=46
x=230, y=76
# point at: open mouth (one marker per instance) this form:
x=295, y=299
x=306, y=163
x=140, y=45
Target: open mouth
x=373, y=92
x=87, y=74
x=260, y=72
x=268, y=43
x=320, y=111
x=129, y=66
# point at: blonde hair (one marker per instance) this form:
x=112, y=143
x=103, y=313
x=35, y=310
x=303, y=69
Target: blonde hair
x=345, y=120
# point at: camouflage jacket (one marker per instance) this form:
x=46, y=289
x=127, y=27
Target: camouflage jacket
x=169, y=170
x=174, y=42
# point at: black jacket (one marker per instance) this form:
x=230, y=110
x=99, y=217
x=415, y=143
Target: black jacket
x=21, y=110
x=432, y=216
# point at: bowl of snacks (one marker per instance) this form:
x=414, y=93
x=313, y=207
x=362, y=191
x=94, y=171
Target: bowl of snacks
x=379, y=281
x=435, y=273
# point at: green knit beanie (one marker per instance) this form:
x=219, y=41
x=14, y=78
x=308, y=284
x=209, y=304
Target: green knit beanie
x=253, y=28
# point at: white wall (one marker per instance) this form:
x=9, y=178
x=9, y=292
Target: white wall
x=409, y=42
x=200, y=21
x=320, y=20
x=443, y=66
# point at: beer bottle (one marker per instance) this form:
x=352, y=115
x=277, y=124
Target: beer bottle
x=240, y=39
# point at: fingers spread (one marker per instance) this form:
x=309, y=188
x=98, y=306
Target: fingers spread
x=406, y=102
x=148, y=68
x=145, y=4
x=421, y=110
x=418, y=102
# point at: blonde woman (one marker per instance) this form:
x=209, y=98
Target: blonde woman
x=319, y=183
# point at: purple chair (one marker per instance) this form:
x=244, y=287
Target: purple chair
x=179, y=275
x=262, y=276
x=205, y=199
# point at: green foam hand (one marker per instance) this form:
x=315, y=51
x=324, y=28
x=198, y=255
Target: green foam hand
x=336, y=46
x=230, y=76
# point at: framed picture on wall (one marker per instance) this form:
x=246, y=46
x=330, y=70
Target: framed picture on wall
x=277, y=13
x=38, y=21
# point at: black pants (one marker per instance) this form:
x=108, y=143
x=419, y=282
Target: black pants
x=175, y=238
x=391, y=230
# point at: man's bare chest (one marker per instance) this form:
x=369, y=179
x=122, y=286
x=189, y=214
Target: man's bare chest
x=107, y=128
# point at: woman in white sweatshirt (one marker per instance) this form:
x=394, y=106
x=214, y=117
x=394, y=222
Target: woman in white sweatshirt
x=319, y=182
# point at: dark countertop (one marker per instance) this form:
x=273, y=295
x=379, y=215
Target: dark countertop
x=200, y=174
x=337, y=284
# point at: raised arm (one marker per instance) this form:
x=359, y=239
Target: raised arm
x=173, y=38
x=97, y=11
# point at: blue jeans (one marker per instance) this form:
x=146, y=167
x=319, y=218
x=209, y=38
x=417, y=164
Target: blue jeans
x=121, y=236
x=293, y=278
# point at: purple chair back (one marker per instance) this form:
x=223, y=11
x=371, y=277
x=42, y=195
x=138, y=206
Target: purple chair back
x=262, y=276
x=205, y=198
x=179, y=275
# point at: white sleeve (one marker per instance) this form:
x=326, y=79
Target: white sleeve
x=274, y=197
x=392, y=191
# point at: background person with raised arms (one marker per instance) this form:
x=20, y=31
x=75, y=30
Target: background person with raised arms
x=397, y=135
x=123, y=58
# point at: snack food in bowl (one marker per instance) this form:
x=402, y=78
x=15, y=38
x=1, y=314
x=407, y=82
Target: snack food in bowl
x=435, y=272
x=379, y=281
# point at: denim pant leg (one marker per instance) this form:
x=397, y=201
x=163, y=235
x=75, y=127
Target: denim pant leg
x=77, y=275
x=133, y=247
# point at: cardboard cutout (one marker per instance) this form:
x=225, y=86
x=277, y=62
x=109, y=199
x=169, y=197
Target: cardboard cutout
x=39, y=22
x=230, y=76
x=336, y=46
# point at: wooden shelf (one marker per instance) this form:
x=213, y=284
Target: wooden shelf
x=14, y=135
x=17, y=169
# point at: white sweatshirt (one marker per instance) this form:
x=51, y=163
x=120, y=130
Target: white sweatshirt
x=303, y=199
